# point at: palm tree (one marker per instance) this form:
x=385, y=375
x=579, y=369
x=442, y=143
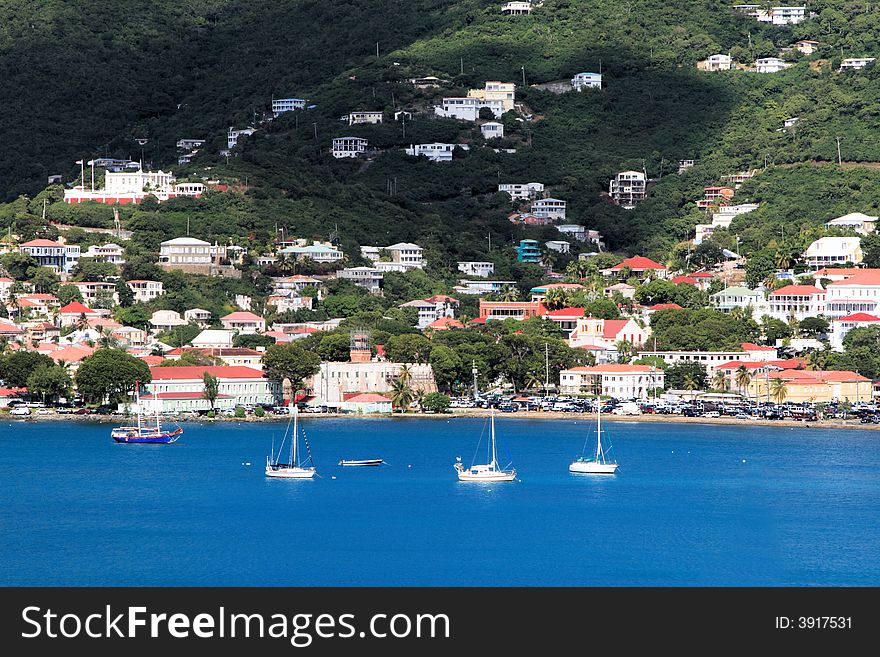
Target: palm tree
x=689, y=382
x=401, y=395
x=778, y=390
x=510, y=294
x=781, y=259
x=533, y=380
x=817, y=360
x=556, y=298
x=719, y=381
x=743, y=379
x=405, y=374
x=625, y=350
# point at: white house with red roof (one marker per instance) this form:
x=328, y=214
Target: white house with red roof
x=10, y=330
x=566, y=318
x=433, y=308
x=613, y=380
x=858, y=292
x=796, y=302
x=6, y=284
x=74, y=312
x=183, y=388
x=244, y=322
x=37, y=304
x=593, y=332
x=843, y=325
x=54, y=255
x=638, y=266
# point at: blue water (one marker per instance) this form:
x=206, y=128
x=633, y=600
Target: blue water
x=692, y=505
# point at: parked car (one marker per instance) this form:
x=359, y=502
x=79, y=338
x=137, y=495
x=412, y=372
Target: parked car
x=711, y=414
x=20, y=410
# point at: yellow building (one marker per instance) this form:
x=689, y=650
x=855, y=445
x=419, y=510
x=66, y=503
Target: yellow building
x=813, y=386
x=494, y=90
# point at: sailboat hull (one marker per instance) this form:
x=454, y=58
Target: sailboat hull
x=591, y=467
x=482, y=474
x=290, y=473
x=146, y=438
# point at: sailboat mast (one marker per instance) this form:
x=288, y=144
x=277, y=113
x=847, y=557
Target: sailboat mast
x=294, y=439
x=494, y=453
x=599, y=430
x=137, y=392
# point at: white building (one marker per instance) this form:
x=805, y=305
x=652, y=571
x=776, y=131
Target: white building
x=129, y=182
x=834, y=251
x=583, y=81
x=145, y=291
x=434, y=152
x=54, y=255
x=558, y=245
x=516, y=8
x=408, y=255
x=467, y=109
x=111, y=253
x=775, y=15
x=553, y=208
x=482, y=287
x=233, y=135
x=282, y=105
x=856, y=63
x=628, y=188
x=492, y=130
x=716, y=63
x=856, y=293
x=317, y=251
x=433, y=308
x=197, y=315
x=369, y=278
x=214, y=339
x=185, y=251
x=481, y=269
x=806, y=47
x=857, y=221
x=190, y=144
x=244, y=322
x=496, y=91
x=843, y=325
x=92, y=291
x=183, y=388
x=371, y=118
x=749, y=353
x=336, y=380
x=740, y=297
x=770, y=65
x=348, y=147
x=796, y=302
x=593, y=332
x=166, y=320
x=612, y=380
x=523, y=191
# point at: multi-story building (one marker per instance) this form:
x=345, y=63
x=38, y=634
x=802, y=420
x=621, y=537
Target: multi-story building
x=529, y=251
x=92, y=291
x=234, y=134
x=500, y=310
x=523, y=191
x=369, y=278
x=435, y=152
x=492, y=130
x=433, y=308
x=638, y=266
x=187, y=254
x=177, y=389
x=740, y=297
x=372, y=118
x=774, y=15
x=145, y=291
x=796, y=302
x=348, y=147
x=317, y=251
x=716, y=63
x=843, y=325
x=54, y=255
x=613, y=380
x=583, y=81
x=245, y=323
x=282, y=105
x=476, y=268
x=516, y=8
x=112, y=253
x=857, y=221
x=553, y=208
x=857, y=293
x=493, y=91
x=483, y=287
x=834, y=251
x=408, y=255
x=336, y=382
x=711, y=360
x=770, y=65
x=467, y=109
x=559, y=246
x=593, y=332
x=856, y=63
x=629, y=188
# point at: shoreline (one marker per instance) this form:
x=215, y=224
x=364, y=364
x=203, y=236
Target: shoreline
x=473, y=413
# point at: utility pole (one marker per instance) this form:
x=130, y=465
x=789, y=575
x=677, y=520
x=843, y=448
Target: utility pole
x=377, y=50
x=474, y=372
x=839, y=158
x=315, y=126
x=546, y=367
x=461, y=64
x=523, y=74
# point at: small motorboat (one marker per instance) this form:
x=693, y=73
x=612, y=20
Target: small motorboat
x=360, y=463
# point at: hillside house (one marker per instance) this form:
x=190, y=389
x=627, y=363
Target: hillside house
x=244, y=322
x=433, y=308
x=434, y=152
x=112, y=253
x=856, y=63
x=638, y=266
x=516, y=8
x=854, y=294
x=283, y=105
x=61, y=258
x=492, y=130
x=370, y=118
x=770, y=65
x=796, y=302
x=467, y=109
x=234, y=134
x=857, y=221
x=342, y=147
x=408, y=255
x=477, y=268
x=145, y=291
x=716, y=63
x=523, y=191
x=628, y=188
x=552, y=208
x=495, y=91
x=369, y=278
x=582, y=81
x=833, y=251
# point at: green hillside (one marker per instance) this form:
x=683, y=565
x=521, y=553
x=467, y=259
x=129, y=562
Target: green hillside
x=88, y=80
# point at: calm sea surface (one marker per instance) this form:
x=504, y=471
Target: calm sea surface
x=692, y=505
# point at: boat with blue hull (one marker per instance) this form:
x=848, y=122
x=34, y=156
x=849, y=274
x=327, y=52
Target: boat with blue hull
x=145, y=435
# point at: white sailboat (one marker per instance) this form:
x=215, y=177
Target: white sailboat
x=486, y=473
x=294, y=468
x=598, y=463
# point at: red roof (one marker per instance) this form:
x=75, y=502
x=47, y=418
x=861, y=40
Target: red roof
x=438, y=298
x=197, y=372
x=678, y=280
x=863, y=277
x=702, y=274
x=858, y=317
x=445, y=323
x=478, y=320
x=789, y=364
x=241, y=317
x=72, y=354
x=152, y=360
x=42, y=243
x=736, y=364
x=797, y=290
x=182, y=395
x=75, y=308
x=617, y=368
x=565, y=313
x=10, y=392
x=368, y=398
x=638, y=263
x=751, y=346
x=612, y=327
x=666, y=306
x=10, y=328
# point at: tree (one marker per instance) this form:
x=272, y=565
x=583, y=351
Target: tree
x=125, y=293
x=435, y=402
x=447, y=366
x=408, y=348
x=778, y=390
x=253, y=340
x=813, y=327
x=719, y=381
x=50, y=382
x=291, y=362
x=108, y=374
x=68, y=294
x=181, y=336
x=743, y=379
x=557, y=298
x=602, y=309
x=760, y=265
x=401, y=395
x=44, y=279
x=212, y=388
x=871, y=250
x=335, y=347
x=16, y=368
x=685, y=373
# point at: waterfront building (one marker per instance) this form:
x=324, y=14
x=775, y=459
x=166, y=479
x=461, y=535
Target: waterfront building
x=613, y=380
x=178, y=389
